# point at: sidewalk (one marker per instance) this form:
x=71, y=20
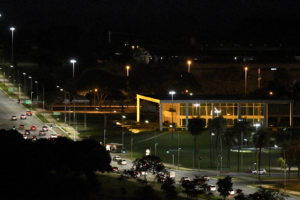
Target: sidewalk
x=59, y=127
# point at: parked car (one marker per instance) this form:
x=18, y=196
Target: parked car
x=45, y=128
x=260, y=171
x=28, y=113
x=122, y=162
x=53, y=136
x=231, y=192
x=33, y=138
x=13, y=118
x=22, y=116
x=184, y=179
x=27, y=132
x=33, y=128
x=21, y=127
x=42, y=133
x=117, y=158
x=14, y=128
x=206, y=178
x=115, y=170
x=212, y=188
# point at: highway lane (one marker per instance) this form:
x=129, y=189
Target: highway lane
x=9, y=107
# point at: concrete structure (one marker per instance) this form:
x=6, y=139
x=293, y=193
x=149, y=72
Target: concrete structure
x=181, y=109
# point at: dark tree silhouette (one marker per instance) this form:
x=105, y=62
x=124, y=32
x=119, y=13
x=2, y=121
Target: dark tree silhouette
x=224, y=186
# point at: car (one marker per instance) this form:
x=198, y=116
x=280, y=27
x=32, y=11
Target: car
x=184, y=179
x=28, y=113
x=27, y=132
x=260, y=171
x=13, y=118
x=33, y=128
x=22, y=116
x=25, y=137
x=21, y=127
x=231, y=192
x=45, y=128
x=122, y=162
x=115, y=170
x=206, y=178
x=53, y=136
x=33, y=138
x=143, y=173
x=117, y=158
x=14, y=128
x=212, y=188
x=42, y=133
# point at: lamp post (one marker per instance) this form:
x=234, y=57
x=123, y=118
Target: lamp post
x=73, y=61
x=178, y=157
x=24, y=84
x=30, y=88
x=189, y=62
x=12, y=29
x=95, y=90
x=196, y=106
x=127, y=70
x=37, y=90
x=172, y=93
x=246, y=70
x=65, y=115
x=123, y=117
x=155, y=147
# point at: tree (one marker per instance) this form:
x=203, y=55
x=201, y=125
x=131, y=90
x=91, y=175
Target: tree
x=169, y=188
x=268, y=194
x=261, y=139
x=218, y=127
x=149, y=163
x=195, y=127
x=240, y=195
x=224, y=186
x=241, y=130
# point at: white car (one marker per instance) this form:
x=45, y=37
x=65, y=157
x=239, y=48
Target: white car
x=53, y=136
x=122, y=162
x=117, y=158
x=13, y=118
x=260, y=171
x=45, y=128
x=231, y=192
x=22, y=116
x=212, y=188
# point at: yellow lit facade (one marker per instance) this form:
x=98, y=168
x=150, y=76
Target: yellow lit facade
x=254, y=111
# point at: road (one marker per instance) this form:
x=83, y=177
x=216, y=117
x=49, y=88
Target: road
x=9, y=107
x=243, y=182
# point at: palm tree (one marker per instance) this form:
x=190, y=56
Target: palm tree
x=261, y=139
x=196, y=127
x=218, y=127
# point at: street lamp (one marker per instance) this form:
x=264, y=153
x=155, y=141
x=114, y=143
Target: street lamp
x=12, y=29
x=178, y=157
x=123, y=117
x=246, y=70
x=37, y=90
x=189, y=62
x=196, y=105
x=24, y=85
x=127, y=70
x=73, y=61
x=95, y=90
x=172, y=93
x=155, y=147
x=30, y=84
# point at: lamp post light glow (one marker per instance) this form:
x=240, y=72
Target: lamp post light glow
x=73, y=61
x=172, y=93
x=127, y=70
x=12, y=29
x=189, y=62
x=246, y=71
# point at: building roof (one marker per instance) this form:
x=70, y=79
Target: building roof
x=183, y=98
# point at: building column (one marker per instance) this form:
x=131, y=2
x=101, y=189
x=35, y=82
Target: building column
x=138, y=109
x=266, y=115
x=291, y=114
x=186, y=116
x=212, y=111
x=239, y=111
x=160, y=116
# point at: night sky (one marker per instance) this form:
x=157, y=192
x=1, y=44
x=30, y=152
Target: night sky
x=154, y=21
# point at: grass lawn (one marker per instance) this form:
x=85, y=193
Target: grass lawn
x=165, y=141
